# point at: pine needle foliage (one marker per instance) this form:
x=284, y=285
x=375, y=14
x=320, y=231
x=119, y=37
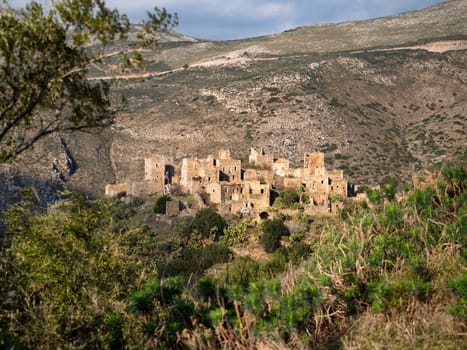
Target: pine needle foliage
x=393, y=275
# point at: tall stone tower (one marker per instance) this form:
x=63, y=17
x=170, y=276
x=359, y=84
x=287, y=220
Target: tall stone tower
x=313, y=164
x=154, y=171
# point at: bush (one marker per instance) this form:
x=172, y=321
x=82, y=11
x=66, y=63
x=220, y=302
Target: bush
x=136, y=202
x=305, y=219
x=160, y=206
x=389, y=190
x=56, y=263
x=242, y=271
x=374, y=196
x=206, y=288
x=207, y=223
x=298, y=252
x=287, y=199
x=276, y=264
x=235, y=234
x=174, y=267
x=273, y=230
x=195, y=260
x=458, y=287
x=214, y=253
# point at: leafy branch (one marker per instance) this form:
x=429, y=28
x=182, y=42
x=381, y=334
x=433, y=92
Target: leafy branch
x=45, y=59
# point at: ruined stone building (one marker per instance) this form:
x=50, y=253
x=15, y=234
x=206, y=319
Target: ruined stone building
x=248, y=191
x=199, y=173
x=157, y=179
x=323, y=187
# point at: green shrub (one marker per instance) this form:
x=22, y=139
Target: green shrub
x=206, y=288
x=195, y=260
x=456, y=180
x=160, y=206
x=207, y=224
x=273, y=230
x=136, y=202
x=273, y=100
x=235, y=234
x=389, y=191
x=287, y=199
x=458, y=287
x=66, y=274
x=175, y=267
x=215, y=253
x=298, y=252
x=374, y=196
x=276, y=264
x=242, y=271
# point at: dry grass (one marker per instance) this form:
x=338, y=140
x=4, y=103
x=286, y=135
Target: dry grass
x=424, y=328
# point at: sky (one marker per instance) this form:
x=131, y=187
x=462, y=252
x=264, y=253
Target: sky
x=237, y=19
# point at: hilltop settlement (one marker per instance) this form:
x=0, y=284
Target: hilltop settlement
x=248, y=191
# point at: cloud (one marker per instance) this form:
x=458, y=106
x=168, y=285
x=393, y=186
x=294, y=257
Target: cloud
x=239, y=9
x=274, y=10
x=221, y=19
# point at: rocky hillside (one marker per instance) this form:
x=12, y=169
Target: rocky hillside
x=374, y=114
x=382, y=98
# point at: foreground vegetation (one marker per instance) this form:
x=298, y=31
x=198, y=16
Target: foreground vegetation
x=96, y=275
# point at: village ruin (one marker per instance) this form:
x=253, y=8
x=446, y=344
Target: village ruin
x=248, y=191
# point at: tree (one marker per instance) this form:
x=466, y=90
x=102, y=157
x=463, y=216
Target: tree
x=67, y=275
x=44, y=62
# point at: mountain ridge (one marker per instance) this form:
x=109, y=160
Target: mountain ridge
x=440, y=21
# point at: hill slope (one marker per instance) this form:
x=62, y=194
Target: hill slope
x=369, y=94
x=446, y=20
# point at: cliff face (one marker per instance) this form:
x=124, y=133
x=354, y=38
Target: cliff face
x=380, y=98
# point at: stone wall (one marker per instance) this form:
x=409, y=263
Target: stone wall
x=258, y=175
x=280, y=166
x=154, y=170
x=143, y=188
x=224, y=154
x=172, y=208
x=112, y=190
x=215, y=192
x=230, y=170
x=312, y=162
x=292, y=183
x=339, y=187
x=259, y=195
x=260, y=158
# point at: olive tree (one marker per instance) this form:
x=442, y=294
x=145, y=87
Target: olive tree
x=45, y=57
